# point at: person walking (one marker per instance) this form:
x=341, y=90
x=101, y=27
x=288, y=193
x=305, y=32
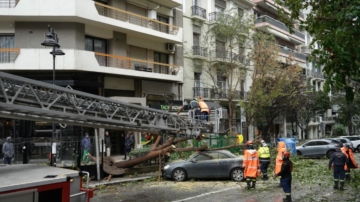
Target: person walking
x=8, y=150
x=107, y=143
x=337, y=162
x=285, y=174
x=128, y=144
x=250, y=165
x=264, y=156
x=352, y=163
x=86, y=146
x=279, y=158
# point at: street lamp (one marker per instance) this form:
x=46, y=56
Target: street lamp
x=52, y=40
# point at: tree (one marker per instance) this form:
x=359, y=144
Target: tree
x=335, y=28
x=273, y=83
x=228, y=39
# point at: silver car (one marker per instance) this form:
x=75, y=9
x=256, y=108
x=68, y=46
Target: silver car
x=317, y=148
x=344, y=141
x=207, y=164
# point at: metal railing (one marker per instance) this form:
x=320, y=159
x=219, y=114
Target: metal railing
x=9, y=55
x=316, y=74
x=8, y=3
x=215, y=94
x=288, y=51
x=215, y=16
x=219, y=53
x=122, y=15
x=200, y=51
x=203, y=92
x=123, y=62
x=198, y=11
x=278, y=24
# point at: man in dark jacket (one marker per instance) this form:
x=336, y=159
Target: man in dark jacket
x=128, y=143
x=337, y=162
x=8, y=150
x=285, y=174
x=107, y=143
x=86, y=146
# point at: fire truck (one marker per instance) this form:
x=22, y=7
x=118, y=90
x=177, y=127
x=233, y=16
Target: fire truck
x=41, y=183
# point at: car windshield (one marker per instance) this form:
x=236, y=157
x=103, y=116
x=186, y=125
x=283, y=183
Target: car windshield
x=212, y=155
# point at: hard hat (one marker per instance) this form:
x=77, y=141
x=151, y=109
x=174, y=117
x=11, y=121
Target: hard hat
x=262, y=141
x=286, y=154
x=249, y=142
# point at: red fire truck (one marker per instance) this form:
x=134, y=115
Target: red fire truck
x=41, y=183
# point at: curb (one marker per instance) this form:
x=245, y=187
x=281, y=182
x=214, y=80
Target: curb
x=117, y=181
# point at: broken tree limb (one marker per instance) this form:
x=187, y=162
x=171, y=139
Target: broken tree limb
x=168, y=143
x=156, y=142
x=109, y=167
x=203, y=148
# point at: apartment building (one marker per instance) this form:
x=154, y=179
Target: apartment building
x=129, y=50
x=201, y=50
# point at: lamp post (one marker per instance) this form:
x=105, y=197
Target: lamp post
x=52, y=40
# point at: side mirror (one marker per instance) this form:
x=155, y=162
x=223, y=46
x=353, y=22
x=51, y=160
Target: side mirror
x=304, y=146
x=193, y=160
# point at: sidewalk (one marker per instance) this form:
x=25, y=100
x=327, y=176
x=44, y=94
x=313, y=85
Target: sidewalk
x=118, y=180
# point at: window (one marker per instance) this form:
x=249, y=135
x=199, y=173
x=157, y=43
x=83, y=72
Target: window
x=97, y=45
x=196, y=2
x=240, y=12
x=7, y=41
x=220, y=49
x=219, y=9
x=223, y=156
x=162, y=27
x=161, y=58
x=257, y=14
x=202, y=158
x=196, y=39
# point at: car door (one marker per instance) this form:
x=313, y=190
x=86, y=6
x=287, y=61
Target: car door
x=225, y=163
x=203, y=166
x=308, y=148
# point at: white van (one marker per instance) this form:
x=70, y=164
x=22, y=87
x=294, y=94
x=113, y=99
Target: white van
x=355, y=140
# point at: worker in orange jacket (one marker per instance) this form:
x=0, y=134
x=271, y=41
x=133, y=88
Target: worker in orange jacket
x=204, y=109
x=352, y=163
x=279, y=158
x=251, y=165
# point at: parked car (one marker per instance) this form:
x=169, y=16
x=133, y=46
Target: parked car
x=317, y=148
x=207, y=164
x=355, y=140
x=344, y=141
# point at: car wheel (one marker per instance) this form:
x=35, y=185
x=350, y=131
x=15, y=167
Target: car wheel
x=179, y=175
x=298, y=153
x=237, y=174
x=329, y=153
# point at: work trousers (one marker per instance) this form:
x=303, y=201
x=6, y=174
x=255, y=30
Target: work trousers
x=264, y=164
x=204, y=116
x=339, y=173
x=108, y=151
x=286, y=185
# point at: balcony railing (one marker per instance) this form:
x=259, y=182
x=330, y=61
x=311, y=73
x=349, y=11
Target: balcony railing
x=288, y=51
x=225, y=55
x=278, y=24
x=315, y=74
x=9, y=55
x=198, y=11
x=8, y=3
x=123, y=62
x=203, y=92
x=236, y=95
x=122, y=15
x=215, y=16
x=200, y=51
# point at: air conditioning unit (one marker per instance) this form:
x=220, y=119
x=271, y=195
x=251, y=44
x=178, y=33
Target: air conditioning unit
x=170, y=47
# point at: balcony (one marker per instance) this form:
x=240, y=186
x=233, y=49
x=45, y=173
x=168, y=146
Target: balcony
x=317, y=75
x=125, y=16
x=203, y=92
x=9, y=55
x=8, y=3
x=107, y=60
x=224, y=56
x=198, y=13
x=298, y=56
x=237, y=95
x=272, y=7
x=215, y=16
x=200, y=52
x=279, y=29
x=306, y=50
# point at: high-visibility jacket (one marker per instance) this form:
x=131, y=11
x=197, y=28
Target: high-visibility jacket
x=251, y=163
x=350, y=156
x=279, y=158
x=264, y=152
x=240, y=139
x=203, y=107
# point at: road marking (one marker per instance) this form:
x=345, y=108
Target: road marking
x=209, y=193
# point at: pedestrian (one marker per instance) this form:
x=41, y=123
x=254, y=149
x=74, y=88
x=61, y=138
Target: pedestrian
x=264, y=156
x=352, y=163
x=86, y=146
x=240, y=138
x=285, y=174
x=8, y=150
x=279, y=158
x=107, y=143
x=337, y=163
x=204, y=109
x=128, y=143
x=251, y=165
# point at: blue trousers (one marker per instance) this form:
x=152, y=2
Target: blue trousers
x=7, y=160
x=286, y=185
x=264, y=164
x=339, y=172
x=204, y=116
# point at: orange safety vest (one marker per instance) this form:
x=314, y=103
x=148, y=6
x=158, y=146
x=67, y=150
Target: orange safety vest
x=203, y=107
x=251, y=163
x=350, y=157
x=279, y=158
